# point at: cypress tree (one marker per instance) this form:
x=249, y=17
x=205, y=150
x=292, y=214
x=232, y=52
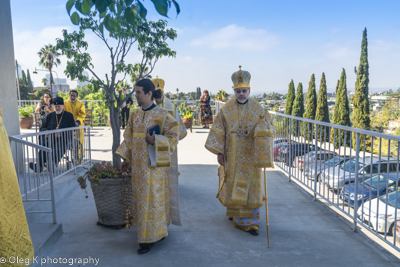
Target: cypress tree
x=29, y=81
x=360, y=101
x=311, y=106
x=322, y=111
x=290, y=99
x=24, y=77
x=341, y=114
x=298, y=109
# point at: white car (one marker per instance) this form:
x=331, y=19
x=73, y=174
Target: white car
x=377, y=217
x=312, y=157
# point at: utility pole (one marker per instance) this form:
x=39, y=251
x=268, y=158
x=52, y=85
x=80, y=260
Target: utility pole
x=19, y=93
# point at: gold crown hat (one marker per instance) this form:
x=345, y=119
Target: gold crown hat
x=241, y=79
x=158, y=83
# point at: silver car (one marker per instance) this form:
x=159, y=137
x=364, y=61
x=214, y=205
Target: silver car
x=337, y=178
x=309, y=171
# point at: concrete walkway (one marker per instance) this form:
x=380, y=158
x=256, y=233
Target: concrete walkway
x=302, y=232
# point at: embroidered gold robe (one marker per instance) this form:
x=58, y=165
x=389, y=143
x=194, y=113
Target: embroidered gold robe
x=78, y=110
x=151, y=199
x=15, y=239
x=173, y=173
x=243, y=133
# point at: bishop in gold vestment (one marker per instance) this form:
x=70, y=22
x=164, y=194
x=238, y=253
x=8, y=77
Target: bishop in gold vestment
x=15, y=239
x=151, y=196
x=242, y=137
x=77, y=108
x=173, y=173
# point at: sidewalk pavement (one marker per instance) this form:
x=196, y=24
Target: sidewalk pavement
x=302, y=232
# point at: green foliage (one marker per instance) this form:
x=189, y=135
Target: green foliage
x=322, y=110
x=360, y=101
x=341, y=114
x=298, y=110
x=185, y=111
x=221, y=96
x=49, y=58
x=24, y=89
x=290, y=98
x=311, y=106
x=40, y=92
x=26, y=111
x=63, y=95
x=44, y=81
x=108, y=10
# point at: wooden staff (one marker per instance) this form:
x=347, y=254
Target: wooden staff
x=266, y=203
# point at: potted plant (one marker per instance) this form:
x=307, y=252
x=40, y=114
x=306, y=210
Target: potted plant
x=112, y=192
x=187, y=116
x=25, y=117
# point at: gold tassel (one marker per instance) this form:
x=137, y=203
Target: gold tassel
x=128, y=218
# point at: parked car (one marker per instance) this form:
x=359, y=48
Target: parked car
x=346, y=173
x=311, y=157
x=378, y=185
x=282, y=140
x=288, y=152
x=378, y=213
x=277, y=146
x=309, y=171
x=397, y=233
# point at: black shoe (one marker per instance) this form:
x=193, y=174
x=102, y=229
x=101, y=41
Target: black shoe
x=144, y=247
x=35, y=168
x=253, y=232
x=230, y=218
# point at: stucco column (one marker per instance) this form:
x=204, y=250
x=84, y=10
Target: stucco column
x=8, y=90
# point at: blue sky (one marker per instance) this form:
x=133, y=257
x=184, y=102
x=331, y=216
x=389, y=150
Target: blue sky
x=276, y=41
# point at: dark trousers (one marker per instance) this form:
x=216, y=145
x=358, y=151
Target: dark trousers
x=58, y=145
x=125, y=116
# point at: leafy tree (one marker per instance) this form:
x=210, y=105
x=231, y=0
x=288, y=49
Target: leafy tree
x=49, y=58
x=322, y=110
x=151, y=38
x=44, y=81
x=40, y=92
x=198, y=90
x=276, y=107
x=298, y=110
x=311, y=106
x=290, y=98
x=361, y=118
x=341, y=114
x=110, y=9
x=24, y=79
x=168, y=95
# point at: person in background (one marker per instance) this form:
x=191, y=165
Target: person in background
x=205, y=110
x=77, y=108
x=44, y=107
x=125, y=109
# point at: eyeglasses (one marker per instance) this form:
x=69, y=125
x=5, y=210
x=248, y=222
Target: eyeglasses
x=47, y=97
x=238, y=91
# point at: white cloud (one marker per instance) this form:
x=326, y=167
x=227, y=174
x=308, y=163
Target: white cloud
x=234, y=36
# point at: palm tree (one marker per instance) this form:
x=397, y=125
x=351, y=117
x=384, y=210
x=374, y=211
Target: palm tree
x=44, y=81
x=49, y=58
x=221, y=95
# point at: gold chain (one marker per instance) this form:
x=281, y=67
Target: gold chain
x=58, y=122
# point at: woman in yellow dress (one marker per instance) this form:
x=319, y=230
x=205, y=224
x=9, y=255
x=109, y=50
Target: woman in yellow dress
x=16, y=247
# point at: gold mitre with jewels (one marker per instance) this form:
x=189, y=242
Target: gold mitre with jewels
x=241, y=79
x=158, y=83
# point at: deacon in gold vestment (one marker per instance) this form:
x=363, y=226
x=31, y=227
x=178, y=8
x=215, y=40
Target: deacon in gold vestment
x=173, y=173
x=15, y=239
x=77, y=108
x=150, y=157
x=241, y=136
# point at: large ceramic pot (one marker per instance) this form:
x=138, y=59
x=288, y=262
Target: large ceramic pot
x=25, y=122
x=188, y=123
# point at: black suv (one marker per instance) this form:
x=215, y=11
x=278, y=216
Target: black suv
x=298, y=149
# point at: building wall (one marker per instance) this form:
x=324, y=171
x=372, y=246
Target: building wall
x=8, y=89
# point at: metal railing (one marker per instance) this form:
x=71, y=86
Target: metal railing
x=355, y=170
x=44, y=156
